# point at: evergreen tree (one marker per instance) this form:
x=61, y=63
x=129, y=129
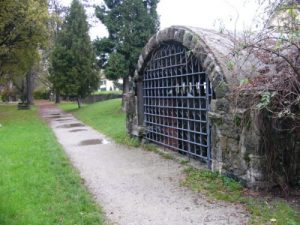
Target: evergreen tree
x=130, y=23
x=73, y=63
x=57, y=13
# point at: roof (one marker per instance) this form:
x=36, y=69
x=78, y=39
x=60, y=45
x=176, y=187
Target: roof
x=213, y=49
x=223, y=57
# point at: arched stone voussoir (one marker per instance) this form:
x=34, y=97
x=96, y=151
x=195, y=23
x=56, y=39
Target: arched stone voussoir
x=198, y=42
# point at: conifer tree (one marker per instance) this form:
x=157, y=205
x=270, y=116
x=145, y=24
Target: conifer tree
x=130, y=23
x=73, y=63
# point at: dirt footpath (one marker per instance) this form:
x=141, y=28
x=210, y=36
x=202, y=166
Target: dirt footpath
x=133, y=186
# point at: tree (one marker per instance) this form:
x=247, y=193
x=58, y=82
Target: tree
x=278, y=43
x=23, y=31
x=73, y=63
x=130, y=23
x=57, y=13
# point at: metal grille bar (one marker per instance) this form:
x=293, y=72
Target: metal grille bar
x=176, y=95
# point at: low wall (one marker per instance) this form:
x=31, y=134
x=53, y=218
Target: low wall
x=98, y=98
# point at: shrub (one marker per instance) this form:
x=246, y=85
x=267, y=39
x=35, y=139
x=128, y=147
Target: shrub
x=41, y=94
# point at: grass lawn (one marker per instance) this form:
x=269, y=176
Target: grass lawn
x=105, y=116
x=108, y=118
x=38, y=185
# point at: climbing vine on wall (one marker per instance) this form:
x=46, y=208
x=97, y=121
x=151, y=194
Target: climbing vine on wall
x=268, y=63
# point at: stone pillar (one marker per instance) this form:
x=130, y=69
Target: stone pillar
x=217, y=142
x=129, y=105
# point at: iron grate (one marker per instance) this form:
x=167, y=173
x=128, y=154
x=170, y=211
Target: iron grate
x=176, y=95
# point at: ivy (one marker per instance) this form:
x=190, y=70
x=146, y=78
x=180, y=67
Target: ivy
x=265, y=100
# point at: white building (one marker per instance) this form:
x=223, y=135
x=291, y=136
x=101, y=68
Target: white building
x=109, y=85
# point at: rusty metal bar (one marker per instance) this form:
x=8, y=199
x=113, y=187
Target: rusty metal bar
x=176, y=98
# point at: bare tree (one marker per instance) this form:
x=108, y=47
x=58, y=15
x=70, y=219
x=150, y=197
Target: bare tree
x=267, y=63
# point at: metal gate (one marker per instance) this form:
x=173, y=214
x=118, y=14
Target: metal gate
x=176, y=95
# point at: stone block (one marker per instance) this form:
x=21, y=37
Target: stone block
x=194, y=42
x=220, y=87
x=208, y=60
x=162, y=36
x=222, y=104
x=171, y=33
x=215, y=118
x=233, y=146
x=151, y=45
x=178, y=35
x=187, y=39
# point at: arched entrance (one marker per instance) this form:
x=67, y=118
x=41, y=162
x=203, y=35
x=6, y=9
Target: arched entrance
x=176, y=101
x=182, y=99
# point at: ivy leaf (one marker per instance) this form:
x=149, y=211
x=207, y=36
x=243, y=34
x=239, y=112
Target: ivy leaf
x=265, y=99
x=244, y=81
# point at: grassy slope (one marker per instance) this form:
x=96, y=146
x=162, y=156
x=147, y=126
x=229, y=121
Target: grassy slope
x=108, y=118
x=37, y=183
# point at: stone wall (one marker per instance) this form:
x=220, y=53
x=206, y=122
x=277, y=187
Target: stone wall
x=98, y=98
x=235, y=143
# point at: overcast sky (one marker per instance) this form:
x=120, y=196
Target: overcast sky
x=213, y=14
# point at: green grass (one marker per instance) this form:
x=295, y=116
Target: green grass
x=214, y=185
x=154, y=148
x=223, y=188
x=108, y=118
x=38, y=185
x=105, y=116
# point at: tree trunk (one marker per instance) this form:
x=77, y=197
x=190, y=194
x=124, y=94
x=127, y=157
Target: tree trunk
x=125, y=90
x=78, y=102
x=29, y=87
x=10, y=88
x=57, y=96
x=125, y=85
x=23, y=91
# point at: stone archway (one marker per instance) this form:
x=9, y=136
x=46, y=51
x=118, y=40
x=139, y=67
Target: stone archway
x=211, y=64
x=176, y=100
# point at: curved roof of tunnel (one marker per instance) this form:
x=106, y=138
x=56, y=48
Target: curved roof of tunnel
x=213, y=49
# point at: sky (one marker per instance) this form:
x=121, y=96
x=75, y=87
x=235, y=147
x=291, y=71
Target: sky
x=210, y=14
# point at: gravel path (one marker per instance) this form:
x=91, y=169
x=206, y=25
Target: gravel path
x=133, y=186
